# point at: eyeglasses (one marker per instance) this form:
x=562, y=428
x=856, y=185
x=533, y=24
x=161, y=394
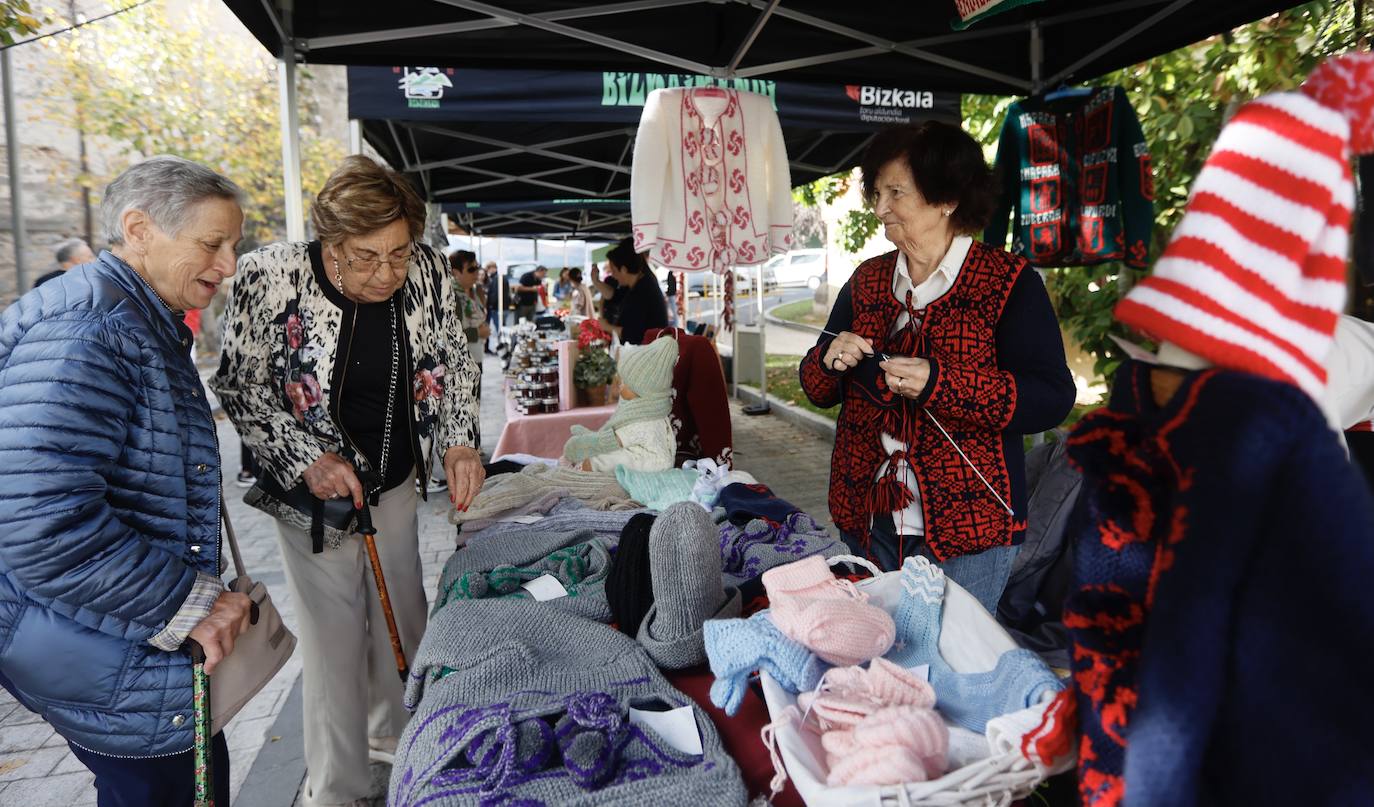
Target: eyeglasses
x=370, y=266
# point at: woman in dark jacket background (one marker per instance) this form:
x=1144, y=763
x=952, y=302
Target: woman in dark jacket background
x=952, y=350
x=110, y=489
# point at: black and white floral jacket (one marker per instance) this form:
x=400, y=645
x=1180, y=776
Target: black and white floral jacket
x=277, y=373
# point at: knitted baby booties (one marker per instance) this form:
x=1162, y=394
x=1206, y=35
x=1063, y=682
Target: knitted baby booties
x=684, y=562
x=827, y=615
x=737, y=647
x=850, y=694
x=892, y=745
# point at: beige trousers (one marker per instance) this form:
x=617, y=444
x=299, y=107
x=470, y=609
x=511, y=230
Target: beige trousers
x=351, y=688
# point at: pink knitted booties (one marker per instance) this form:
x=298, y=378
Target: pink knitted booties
x=892, y=745
x=828, y=616
x=849, y=694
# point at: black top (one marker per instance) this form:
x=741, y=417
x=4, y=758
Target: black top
x=642, y=308
x=362, y=377
x=53, y=275
x=610, y=306
x=527, y=297
x=672, y=283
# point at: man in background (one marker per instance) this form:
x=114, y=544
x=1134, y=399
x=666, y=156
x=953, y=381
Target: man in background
x=69, y=253
x=527, y=293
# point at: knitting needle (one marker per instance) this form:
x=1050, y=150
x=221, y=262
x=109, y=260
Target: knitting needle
x=962, y=455
x=969, y=462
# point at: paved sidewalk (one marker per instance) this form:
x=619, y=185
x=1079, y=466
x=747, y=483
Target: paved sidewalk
x=38, y=770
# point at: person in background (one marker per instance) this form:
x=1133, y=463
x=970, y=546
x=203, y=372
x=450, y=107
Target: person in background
x=671, y=298
x=69, y=253
x=640, y=298
x=110, y=482
x=948, y=352
x=472, y=307
x=343, y=363
x=563, y=288
x=527, y=293
x=607, y=287
x=580, y=296
x=498, y=300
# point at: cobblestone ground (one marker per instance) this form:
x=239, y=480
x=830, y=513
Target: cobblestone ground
x=38, y=770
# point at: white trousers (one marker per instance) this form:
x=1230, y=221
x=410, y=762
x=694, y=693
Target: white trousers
x=351, y=687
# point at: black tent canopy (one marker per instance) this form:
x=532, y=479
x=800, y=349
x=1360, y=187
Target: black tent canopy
x=872, y=42
x=529, y=152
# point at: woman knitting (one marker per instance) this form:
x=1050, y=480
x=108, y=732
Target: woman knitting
x=640, y=433
x=947, y=353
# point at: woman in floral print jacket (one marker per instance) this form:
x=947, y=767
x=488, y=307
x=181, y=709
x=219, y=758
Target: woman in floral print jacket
x=343, y=363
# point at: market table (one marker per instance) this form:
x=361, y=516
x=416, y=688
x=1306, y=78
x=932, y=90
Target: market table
x=545, y=435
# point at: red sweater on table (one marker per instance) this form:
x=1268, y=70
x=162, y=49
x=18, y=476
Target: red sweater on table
x=997, y=372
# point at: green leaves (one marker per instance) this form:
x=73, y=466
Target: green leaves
x=18, y=21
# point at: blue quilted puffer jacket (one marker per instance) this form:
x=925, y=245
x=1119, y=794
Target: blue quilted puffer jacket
x=109, y=505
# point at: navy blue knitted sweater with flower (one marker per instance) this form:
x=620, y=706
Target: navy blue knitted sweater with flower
x=1221, y=609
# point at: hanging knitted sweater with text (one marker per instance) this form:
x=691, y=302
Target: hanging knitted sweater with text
x=1076, y=173
x=1220, y=608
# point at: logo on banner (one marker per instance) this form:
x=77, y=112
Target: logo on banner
x=423, y=86
x=631, y=89
x=888, y=104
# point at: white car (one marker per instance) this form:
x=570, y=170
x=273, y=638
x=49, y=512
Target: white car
x=800, y=267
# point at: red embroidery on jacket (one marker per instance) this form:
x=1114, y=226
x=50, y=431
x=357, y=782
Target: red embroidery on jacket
x=958, y=329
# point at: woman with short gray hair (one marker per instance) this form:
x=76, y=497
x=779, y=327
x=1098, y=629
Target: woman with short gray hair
x=109, y=489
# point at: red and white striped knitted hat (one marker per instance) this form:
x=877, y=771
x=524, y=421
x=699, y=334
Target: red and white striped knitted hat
x=1254, y=276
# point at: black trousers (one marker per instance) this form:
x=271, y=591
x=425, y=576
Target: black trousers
x=155, y=781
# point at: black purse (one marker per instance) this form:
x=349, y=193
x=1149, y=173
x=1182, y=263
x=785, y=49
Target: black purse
x=338, y=514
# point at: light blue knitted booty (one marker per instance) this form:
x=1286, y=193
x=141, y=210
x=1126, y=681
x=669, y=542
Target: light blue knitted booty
x=970, y=700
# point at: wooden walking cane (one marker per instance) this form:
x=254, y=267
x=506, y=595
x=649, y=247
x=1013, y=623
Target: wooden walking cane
x=200, y=700
x=369, y=533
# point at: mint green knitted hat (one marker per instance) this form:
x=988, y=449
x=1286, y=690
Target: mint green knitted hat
x=648, y=369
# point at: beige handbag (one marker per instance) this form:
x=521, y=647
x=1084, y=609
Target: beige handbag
x=259, y=653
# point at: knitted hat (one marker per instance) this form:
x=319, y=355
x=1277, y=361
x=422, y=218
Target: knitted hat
x=538, y=713
x=685, y=570
x=630, y=584
x=1254, y=277
x=648, y=369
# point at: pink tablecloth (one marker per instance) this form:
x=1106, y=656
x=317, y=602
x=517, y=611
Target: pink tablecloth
x=544, y=435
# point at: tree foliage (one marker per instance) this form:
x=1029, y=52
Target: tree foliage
x=1182, y=98
x=149, y=84
x=18, y=20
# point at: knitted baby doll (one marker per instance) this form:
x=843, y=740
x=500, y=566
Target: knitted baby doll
x=640, y=433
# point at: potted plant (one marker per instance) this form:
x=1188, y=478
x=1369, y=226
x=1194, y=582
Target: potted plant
x=594, y=368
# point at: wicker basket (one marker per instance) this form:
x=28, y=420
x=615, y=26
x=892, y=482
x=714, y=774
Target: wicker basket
x=970, y=641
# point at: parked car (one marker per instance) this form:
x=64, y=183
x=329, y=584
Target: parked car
x=800, y=267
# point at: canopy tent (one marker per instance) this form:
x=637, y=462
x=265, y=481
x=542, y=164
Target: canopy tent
x=1020, y=51
x=483, y=142
x=874, y=42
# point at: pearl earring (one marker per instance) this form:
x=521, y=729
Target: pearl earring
x=949, y=213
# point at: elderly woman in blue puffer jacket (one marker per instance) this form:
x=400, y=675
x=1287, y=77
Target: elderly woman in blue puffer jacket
x=109, y=489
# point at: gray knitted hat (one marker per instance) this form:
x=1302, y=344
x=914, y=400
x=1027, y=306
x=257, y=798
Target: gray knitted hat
x=502, y=494
x=537, y=713
x=471, y=572
x=685, y=563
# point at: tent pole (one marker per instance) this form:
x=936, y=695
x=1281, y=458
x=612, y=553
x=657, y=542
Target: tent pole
x=355, y=136
x=1037, y=57
x=290, y=139
x=21, y=236
x=762, y=407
